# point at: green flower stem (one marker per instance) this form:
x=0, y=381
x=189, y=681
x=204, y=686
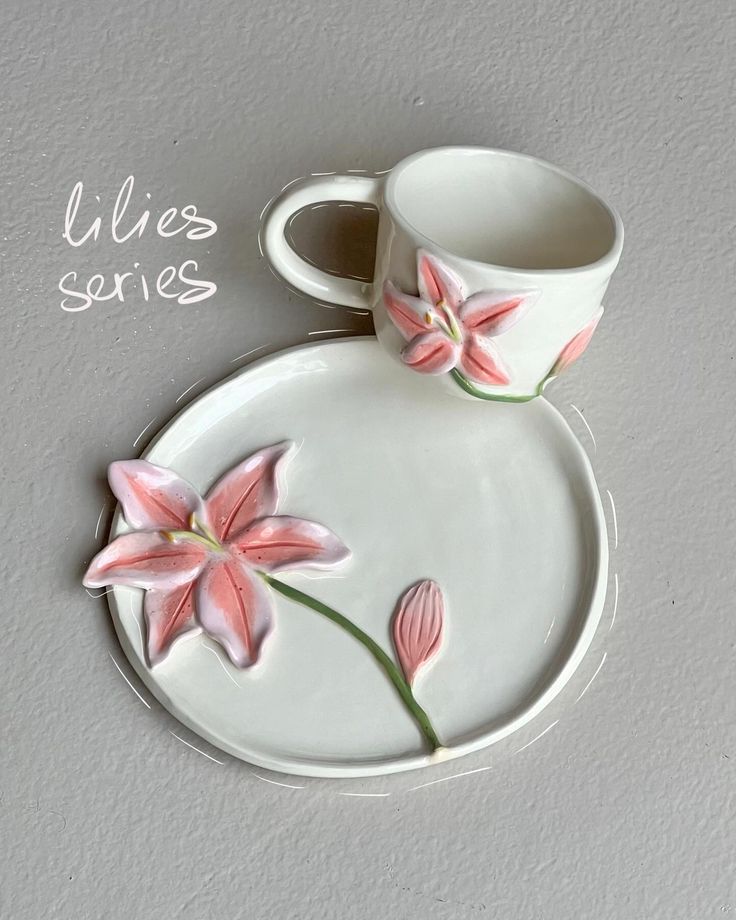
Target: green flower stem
x=392, y=672
x=462, y=381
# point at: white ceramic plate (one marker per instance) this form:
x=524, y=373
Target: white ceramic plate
x=497, y=503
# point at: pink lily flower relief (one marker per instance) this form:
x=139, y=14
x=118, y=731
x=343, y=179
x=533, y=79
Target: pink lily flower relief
x=445, y=331
x=205, y=563
x=208, y=564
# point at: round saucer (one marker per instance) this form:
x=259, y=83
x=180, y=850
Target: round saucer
x=496, y=503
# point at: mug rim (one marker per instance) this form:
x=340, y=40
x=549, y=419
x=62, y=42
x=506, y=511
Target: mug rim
x=608, y=260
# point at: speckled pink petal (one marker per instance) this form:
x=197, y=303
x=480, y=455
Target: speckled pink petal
x=146, y=560
x=234, y=607
x=418, y=627
x=168, y=615
x=278, y=543
x=152, y=497
x=436, y=282
x=494, y=312
x=431, y=353
x=480, y=362
x=576, y=346
x=246, y=492
x=406, y=312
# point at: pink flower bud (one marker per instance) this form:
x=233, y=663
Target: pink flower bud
x=418, y=626
x=576, y=346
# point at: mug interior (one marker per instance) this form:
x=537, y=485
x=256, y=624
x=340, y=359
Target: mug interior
x=503, y=208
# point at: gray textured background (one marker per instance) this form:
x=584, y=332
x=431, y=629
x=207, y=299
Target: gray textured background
x=625, y=809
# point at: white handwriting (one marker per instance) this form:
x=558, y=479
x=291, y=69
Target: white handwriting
x=125, y=223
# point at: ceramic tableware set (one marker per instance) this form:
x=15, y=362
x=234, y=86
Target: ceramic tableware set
x=368, y=555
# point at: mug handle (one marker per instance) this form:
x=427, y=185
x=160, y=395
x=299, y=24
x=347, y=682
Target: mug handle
x=288, y=264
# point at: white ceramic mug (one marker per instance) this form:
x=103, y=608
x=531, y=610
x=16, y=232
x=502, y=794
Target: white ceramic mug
x=490, y=265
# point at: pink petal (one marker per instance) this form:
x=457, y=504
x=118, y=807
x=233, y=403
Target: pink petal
x=234, y=607
x=246, y=492
x=494, y=312
x=576, y=346
x=418, y=626
x=146, y=560
x=481, y=362
x=152, y=497
x=407, y=313
x=436, y=282
x=277, y=543
x=431, y=353
x=169, y=615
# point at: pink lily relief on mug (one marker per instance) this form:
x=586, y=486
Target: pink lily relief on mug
x=208, y=565
x=449, y=332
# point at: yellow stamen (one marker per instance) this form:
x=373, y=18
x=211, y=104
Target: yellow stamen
x=173, y=536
